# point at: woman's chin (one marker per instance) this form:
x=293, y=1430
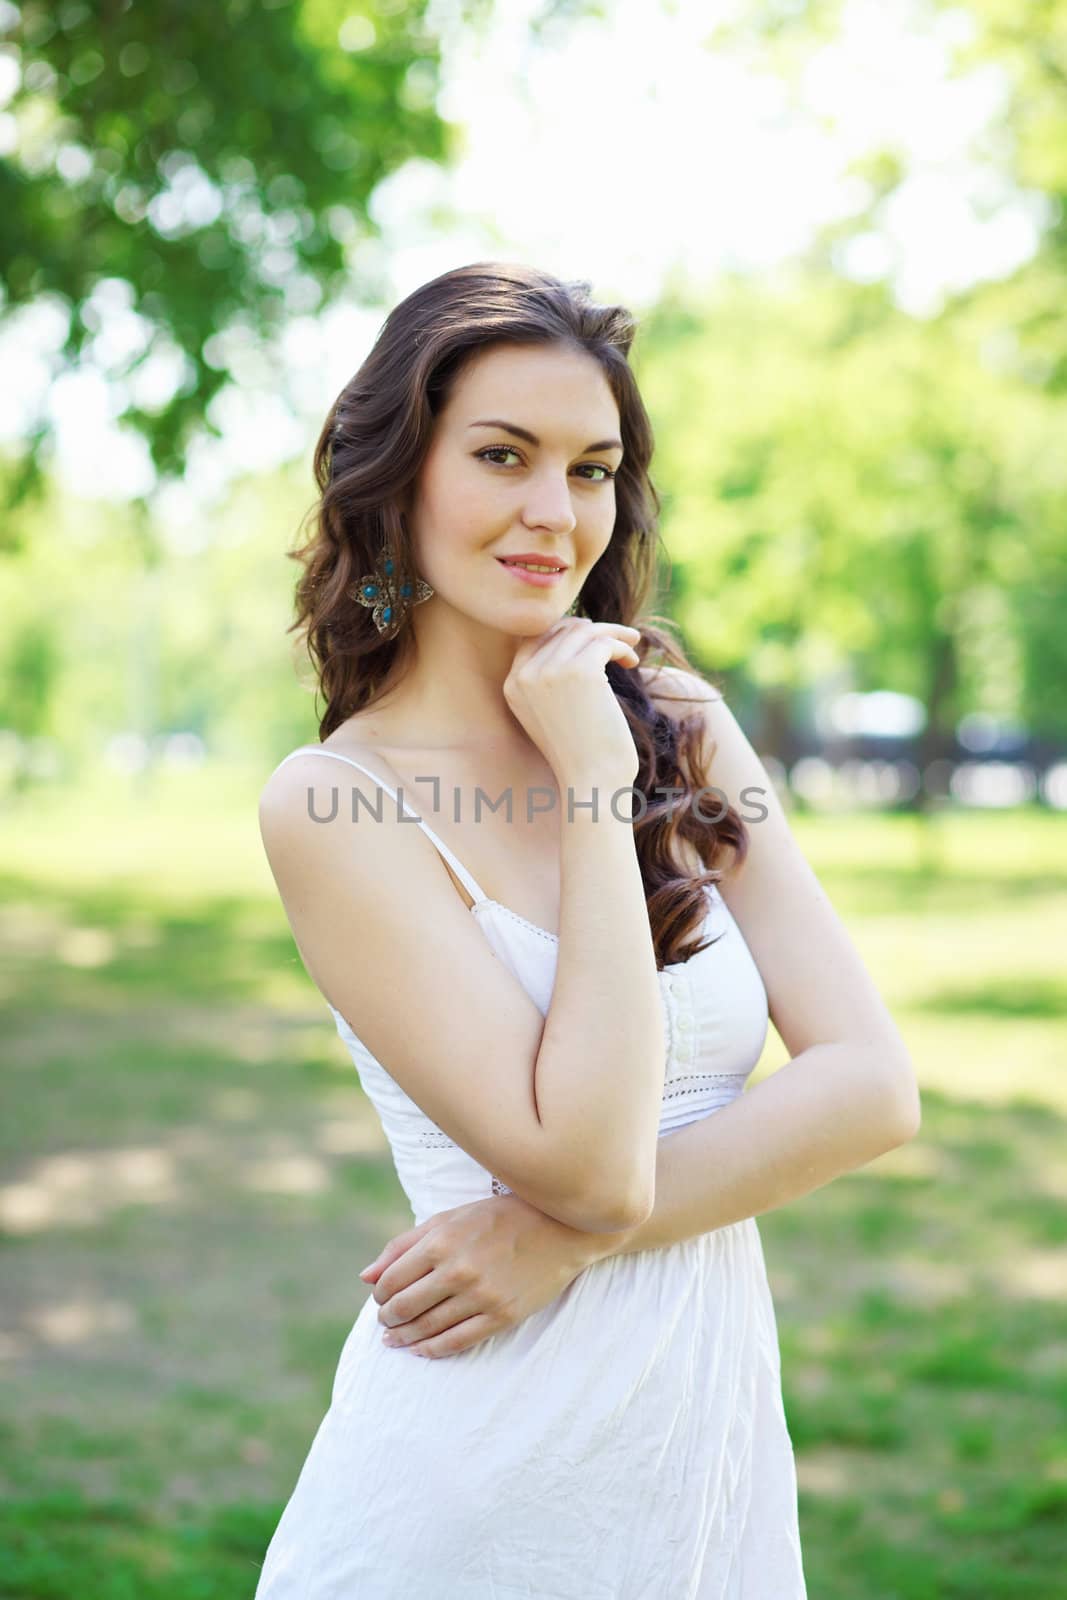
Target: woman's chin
x=526, y=621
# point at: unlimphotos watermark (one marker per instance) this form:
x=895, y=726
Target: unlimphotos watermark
x=541, y=799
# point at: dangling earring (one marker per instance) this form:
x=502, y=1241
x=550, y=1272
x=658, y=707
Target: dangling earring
x=379, y=592
x=572, y=609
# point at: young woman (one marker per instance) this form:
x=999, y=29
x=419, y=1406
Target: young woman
x=553, y=995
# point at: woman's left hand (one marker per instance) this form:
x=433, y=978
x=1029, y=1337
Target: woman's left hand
x=475, y=1270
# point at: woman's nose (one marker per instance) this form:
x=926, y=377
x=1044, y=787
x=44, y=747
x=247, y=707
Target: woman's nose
x=549, y=505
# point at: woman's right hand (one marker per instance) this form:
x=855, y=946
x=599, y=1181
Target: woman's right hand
x=557, y=688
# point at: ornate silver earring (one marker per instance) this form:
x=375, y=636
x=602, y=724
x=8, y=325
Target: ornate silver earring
x=379, y=592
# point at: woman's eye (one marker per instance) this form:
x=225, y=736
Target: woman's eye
x=510, y=450
x=497, y=450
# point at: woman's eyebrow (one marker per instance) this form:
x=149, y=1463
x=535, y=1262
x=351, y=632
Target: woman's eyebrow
x=531, y=438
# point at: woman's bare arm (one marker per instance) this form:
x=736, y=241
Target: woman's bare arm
x=563, y=1109
x=849, y=1092
x=830, y=1110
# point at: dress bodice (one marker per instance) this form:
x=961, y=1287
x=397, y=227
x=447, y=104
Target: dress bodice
x=715, y=1018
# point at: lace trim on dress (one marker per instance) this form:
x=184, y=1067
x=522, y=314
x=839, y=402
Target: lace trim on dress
x=688, y=1082
x=434, y=1139
x=437, y=1139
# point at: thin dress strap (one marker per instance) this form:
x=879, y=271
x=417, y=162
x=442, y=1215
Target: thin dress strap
x=457, y=866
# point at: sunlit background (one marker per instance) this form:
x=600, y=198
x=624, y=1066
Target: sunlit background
x=842, y=228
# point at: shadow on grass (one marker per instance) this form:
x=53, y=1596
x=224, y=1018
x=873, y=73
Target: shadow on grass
x=95, y=949
x=209, y=1179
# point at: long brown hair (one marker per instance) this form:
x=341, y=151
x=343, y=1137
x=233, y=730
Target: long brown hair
x=370, y=450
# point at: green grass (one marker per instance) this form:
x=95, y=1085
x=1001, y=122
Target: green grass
x=192, y=1180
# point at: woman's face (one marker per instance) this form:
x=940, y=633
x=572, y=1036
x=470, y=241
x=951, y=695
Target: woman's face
x=541, y=487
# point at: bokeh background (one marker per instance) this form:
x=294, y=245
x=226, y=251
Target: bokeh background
x=842, y=225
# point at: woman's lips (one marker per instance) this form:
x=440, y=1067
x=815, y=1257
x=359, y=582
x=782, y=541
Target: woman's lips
x=542, y=580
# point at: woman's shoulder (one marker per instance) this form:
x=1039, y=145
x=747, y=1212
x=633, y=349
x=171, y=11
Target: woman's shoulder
x=284, y=796
x=677, y=687
x=299, y=810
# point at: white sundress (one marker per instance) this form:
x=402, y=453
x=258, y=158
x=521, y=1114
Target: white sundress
x=626, y=1442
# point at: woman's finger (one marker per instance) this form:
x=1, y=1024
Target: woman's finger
x=414, y=1298
x=395, y=1247
x=443, y=1314
x=464, y=1336
x=410, y=1286
x=569, y=641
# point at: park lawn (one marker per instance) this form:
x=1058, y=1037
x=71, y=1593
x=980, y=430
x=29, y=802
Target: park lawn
x=192, y=1180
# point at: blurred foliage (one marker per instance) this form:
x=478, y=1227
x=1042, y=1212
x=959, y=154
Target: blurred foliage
x=1027, y=47
x=851, y=493
x=217, y=161
x=847, y=484
x=97, y=643
x=881, y=488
